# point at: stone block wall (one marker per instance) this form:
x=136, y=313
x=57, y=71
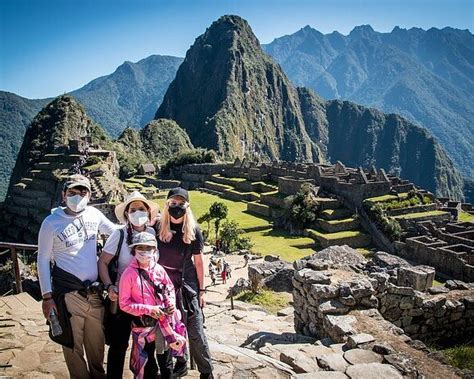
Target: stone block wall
x=325, y=297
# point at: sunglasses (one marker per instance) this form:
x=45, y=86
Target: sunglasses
x=174, y=203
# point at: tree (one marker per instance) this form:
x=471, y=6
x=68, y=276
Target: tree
x=232, y=237
x=206, y=217
x=304, y=209
x=218, y=211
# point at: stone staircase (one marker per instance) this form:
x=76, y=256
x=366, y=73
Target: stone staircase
x=338, y=225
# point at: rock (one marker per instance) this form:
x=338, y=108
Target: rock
x=359, y=339
x=323, y=375
x=271, y=258
x=240, y=285
x=285, y=312
x=276, y=275
x=309, y=276
x=339, y=327
x=370, y=302
x=356, y=356
x=333, y=307
x=340, y=255
x=404, y=291
x=348, y=300
x=7, y=344
x=389, y=261
x=300, y=362
x=338, y=347
x=436, y=290
x=418, y=345
x=382, y=348
x=457, y=285
x=320, y=291
x=333, y=362
x=238, y=315
x=419, y=278
x=317, y=264
x=361, y=288
x=402, y=363
x=372, y=371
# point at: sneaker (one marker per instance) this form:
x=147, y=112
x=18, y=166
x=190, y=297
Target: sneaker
x=180, y=369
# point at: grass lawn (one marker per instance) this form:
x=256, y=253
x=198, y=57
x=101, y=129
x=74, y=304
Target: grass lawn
x=265, y=242
x=461, y=356
x=281, y=243
x=384, y=198
x=466, y=217
x=200, y=203
x=269, y=300
x=420, y=214
x=337, y=235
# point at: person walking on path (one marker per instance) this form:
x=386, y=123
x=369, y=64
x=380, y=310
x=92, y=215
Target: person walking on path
x=146, y=292
x=68, y=238
x=135, y=215
x=181, y=254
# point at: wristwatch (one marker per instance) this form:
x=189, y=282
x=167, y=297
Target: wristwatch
x=202, y=290
x=49, y=297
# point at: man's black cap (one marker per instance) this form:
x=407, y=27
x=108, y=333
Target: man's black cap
x=178, y=191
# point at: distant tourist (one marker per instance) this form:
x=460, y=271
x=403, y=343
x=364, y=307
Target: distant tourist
x=246, y=259
x=68, y=238
x=181, y=245
x=227, y=269
x=213, y=276
x=135, y=214
x=224, y=275
x=147, y=293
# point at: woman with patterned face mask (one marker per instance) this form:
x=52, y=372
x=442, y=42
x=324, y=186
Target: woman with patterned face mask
x=181, y=245
x=135, y=213
x=147, y=293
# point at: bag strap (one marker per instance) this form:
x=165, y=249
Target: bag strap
x=145, y=276
x=119, y=247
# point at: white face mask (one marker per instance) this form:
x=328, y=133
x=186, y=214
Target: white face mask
x=144, y=257
x=76, y=203
x=138, y=218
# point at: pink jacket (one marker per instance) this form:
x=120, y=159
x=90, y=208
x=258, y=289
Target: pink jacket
x=136, y=295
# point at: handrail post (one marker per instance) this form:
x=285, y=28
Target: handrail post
x=16, y=268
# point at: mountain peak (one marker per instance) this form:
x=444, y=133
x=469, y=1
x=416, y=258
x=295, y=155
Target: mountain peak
x=362, y=31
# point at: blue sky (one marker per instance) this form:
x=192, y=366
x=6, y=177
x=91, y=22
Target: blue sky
x=48, y=47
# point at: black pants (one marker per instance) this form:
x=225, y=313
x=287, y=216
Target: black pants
x=118, y=329
x=165, y=363
x=198, y=346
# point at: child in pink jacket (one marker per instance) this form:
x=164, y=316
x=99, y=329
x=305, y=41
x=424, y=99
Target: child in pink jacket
x=145, y=290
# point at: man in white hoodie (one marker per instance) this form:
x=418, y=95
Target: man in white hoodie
x=68, y=239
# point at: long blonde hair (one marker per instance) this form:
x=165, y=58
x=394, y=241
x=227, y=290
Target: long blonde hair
x=189, y=225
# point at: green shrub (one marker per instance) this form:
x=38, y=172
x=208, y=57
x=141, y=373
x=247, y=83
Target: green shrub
x=304, y=209
x=232, y=237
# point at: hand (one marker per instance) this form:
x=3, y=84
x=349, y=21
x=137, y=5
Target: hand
x=157, y=312
x=47, y=306
x=202, y=300
x=112, y=292
x=169, y=310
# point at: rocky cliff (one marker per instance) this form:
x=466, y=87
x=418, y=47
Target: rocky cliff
x=230, y=96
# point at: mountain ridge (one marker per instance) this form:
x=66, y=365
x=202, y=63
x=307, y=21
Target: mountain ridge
x=424, y=75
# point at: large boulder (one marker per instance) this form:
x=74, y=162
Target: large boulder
x=276, y=275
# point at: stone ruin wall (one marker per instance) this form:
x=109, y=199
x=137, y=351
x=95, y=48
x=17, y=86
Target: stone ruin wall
x=325, y=296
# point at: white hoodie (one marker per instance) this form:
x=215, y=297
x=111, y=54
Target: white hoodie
x=71, y=242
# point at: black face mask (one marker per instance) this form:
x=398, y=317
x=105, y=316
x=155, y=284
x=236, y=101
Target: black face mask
x=177, y=211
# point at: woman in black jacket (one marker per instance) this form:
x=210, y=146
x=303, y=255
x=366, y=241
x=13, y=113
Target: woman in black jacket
x=180, y=244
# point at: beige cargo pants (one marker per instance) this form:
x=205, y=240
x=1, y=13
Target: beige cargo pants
x=87, y=327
